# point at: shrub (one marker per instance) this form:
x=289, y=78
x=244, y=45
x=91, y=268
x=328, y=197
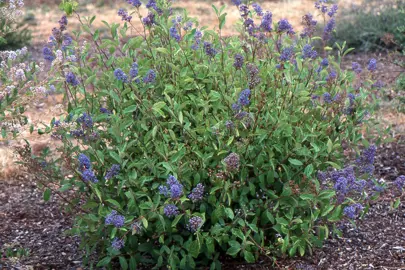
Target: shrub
x=373, y=26
x=182, y=144
x=14, y=32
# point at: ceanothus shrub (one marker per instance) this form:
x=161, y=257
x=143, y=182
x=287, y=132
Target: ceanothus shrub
x=185, y=145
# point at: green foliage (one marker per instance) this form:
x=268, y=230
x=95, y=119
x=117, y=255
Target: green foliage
x=257, y=162
x=373, y=26
x=17, y=34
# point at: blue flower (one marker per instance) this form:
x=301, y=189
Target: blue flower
x=330, y=26
x=327, y=97
x=114, y=219
x=400, y=182
x=285, y=26
x=135, y=3
x=356, y=67
x=266, y=24
x=71, y=79
x=308, y=52
x=372, y=65
x=149, y=20
x=84, y=162
x=150, y=76
x=194, y=224
x=171, y=210
x=333, y=10
x=209, y=50
x=86, y=120
x=89, y=176
x=244, y=97
x=174, y=34
x=287, y=53
x=113, y=171
x=239, y=59
x=120, y=75
x=197, y=40
x=258, y=9
x=341, y=186
x=353, y=211
x=48, y=54
x=237, y=2
x=133, y=72
x=117, y=244
x=197, y=193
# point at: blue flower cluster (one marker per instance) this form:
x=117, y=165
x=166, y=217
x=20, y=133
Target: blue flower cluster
x=353, y=211
x=150, y=77
x=310, y=24
x=258, y=9
x=117, y=243
x=173, y=189
x=197, y=193
x=86, y=120
x=400, y=182
x=120, y=75
x=105, y=111
x=194, y=224
x=135, y=3
x=239, y=59
x=89, y=176
x=84, y=162
x=71, y=79
x=197, y=40
x=356, y=68
x=114, y=219
x=124, y=15
x=232, y=162
x=285, y=26
x=267, y=21
x=308, y=52
x=372, y=65
x=209, y=49
x=149, y=20
x=329, y=27
x=366, y=160
x=171, y=210
x=112, y=172
x=287, y=53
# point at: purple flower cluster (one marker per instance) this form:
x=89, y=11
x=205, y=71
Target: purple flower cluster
x=285, y=26
x=258, y=9
x=327, y=31
x=113, y=171
x=105, y=111
x=89, y=176
x=353, y=211
x=86, y=120
x=253, y=74
x=71, y=79
x=327, y=97
x=287, y=53
x=114, y=219
x=310, y=24
x=188, y=25
x=308, y=52
x=194, y=224
x=197, y=193
x=229, y=124
x=133, y=72
x=232, y=162
x=356, y=67
x=209, y=49
x=173, y=188
x=243, y=99
x=149, y=20
x=331, y=76
x=174, y=33
x=239, y=59
x=197, y=40
x=120, y=75
x=117, y=243
x=267, y=21
x=237, y=2
x=124, y=15
x=48, y=54
x=84, y=162
x=244, y=10
x=333, y=10
x=135, y=3
x=372, y=65
x=170, y=210
x=150, y=76
x=366, y=160
x=400, y=182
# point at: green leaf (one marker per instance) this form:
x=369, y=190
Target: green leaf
x=295, y=162
x=104, y=261
x=194, y=249
x=132, y=263
x=249, y=256
x=130, y=109
x=330, y=146
x=47, y=194
x=123, y=263
x=233, y=250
